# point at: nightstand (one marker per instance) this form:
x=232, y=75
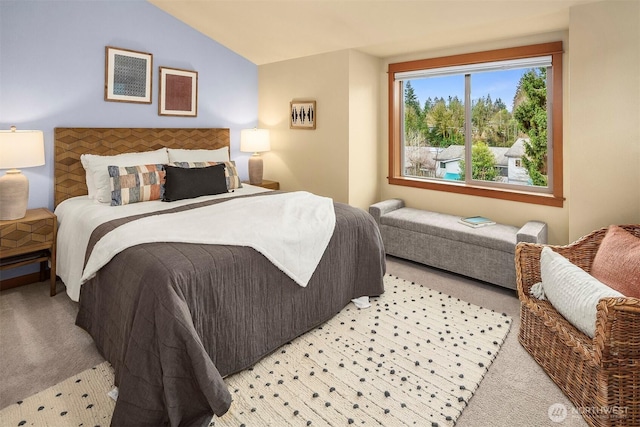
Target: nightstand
x=29, y=240
x=271, y=185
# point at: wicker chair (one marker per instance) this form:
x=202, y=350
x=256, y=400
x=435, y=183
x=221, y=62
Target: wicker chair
x=601, y=376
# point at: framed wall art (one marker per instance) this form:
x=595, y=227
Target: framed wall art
x=127, y=75
x=302, y=115
x=178, y=92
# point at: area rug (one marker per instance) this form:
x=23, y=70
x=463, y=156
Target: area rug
x=80, y=400
x=414, y=358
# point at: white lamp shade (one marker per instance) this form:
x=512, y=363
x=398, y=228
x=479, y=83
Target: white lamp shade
x=254, y=140
x=21, y=149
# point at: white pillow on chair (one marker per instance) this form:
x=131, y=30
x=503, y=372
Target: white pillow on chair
x=571, y=290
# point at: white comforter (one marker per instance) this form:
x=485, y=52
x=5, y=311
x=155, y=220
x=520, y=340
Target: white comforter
x=292, y=230
x=78, y=217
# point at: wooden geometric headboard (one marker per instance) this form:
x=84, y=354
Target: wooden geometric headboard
x=70, y=143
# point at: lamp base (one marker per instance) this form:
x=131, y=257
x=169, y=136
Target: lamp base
x=14, y=195
x=255, y=169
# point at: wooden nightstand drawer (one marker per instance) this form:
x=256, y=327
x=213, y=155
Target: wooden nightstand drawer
x=29, y=240
x=34, y=231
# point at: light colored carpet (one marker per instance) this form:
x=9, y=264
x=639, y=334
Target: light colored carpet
x=80, y=400
x=414, y=358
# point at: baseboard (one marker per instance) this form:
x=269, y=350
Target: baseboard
x=27, y=279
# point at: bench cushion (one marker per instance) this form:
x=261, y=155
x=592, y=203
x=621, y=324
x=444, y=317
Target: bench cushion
x=499, y=237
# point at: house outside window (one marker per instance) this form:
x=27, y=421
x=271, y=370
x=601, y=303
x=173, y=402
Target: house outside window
x=487, y=124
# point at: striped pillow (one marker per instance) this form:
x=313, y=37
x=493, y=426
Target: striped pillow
x=230, y=171
x=133, y=184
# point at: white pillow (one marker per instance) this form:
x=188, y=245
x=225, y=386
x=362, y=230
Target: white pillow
x=97, y=174
x=182, y=155
x=571, y=290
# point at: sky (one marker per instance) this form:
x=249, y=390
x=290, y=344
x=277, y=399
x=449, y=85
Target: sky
x=498, y=84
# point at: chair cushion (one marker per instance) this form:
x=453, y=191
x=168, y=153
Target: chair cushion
x=617, y=261
x=572, y=291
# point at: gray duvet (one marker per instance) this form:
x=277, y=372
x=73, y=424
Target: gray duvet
x=175, y=318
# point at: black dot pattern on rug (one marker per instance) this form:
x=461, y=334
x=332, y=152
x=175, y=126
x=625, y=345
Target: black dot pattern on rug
x=78, y=401
x=414, y=358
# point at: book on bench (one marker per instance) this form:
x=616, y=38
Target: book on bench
x=476, y=221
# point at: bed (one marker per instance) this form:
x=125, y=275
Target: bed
x=174, y=318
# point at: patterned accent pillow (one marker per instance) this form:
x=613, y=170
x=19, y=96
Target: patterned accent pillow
x=230, y=171
x=133, y=184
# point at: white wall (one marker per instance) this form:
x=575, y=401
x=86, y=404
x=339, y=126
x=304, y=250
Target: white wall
x=604, y=117
x=363, y=129
x=338, y=158
x=517, y=173
x=300, y=159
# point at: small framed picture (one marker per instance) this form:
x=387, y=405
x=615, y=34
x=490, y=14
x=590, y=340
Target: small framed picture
x=302, y=115
x=178, y=92
x=127, y=75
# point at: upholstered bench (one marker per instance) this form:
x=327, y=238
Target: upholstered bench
x=441, y=241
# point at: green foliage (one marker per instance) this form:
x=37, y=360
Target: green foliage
x=445, y=122
x=410, y=98
x=492, y=123
x=531, y=115
x=441, y=122
x=413, y=117
x=483, y=163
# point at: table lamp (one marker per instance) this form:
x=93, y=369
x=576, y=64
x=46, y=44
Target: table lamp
x=255, y=141
x=18, y=149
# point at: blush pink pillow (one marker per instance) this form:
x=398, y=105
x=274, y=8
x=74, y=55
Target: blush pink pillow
x=617, y=262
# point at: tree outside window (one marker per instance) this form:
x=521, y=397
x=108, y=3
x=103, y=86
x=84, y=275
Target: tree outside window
x=463, y=104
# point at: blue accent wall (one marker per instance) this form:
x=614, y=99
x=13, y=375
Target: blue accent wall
x=52, y=72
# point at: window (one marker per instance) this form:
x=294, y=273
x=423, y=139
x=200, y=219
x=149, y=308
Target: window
x=486, y=124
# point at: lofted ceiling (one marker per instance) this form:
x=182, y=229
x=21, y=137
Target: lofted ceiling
x=266, y=31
